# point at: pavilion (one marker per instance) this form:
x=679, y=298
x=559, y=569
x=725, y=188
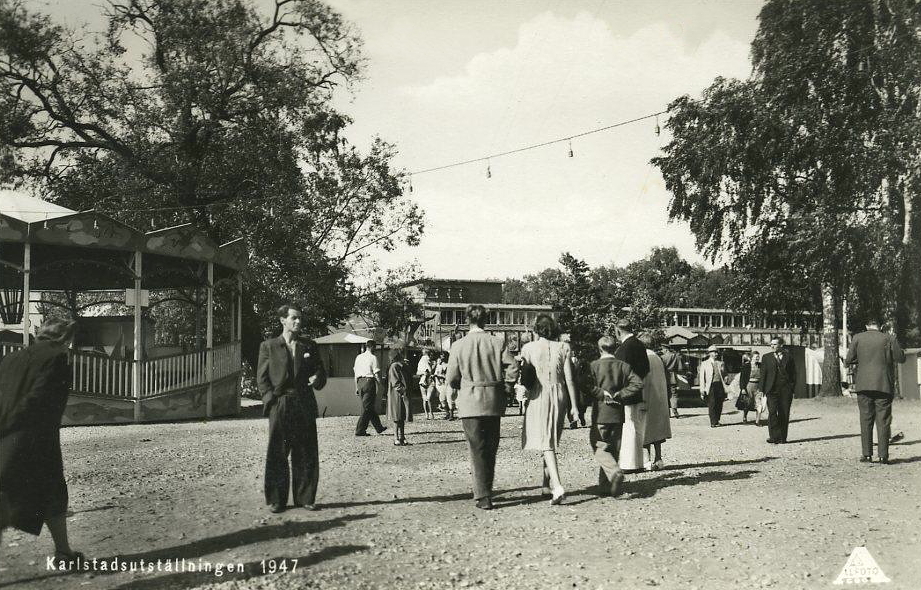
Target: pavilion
x=45, y=248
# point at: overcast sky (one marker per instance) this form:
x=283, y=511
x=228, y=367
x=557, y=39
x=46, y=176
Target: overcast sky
x=451, y=80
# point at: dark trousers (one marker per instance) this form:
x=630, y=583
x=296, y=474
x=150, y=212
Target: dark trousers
x=605, y=442
x=483, y=440
x=292, y=432
x=367, y=388
x=875, y=407
x=715, y=398
x=779, y=414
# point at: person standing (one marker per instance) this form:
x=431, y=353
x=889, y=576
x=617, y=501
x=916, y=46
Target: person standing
x=549, y=399
x=615, y=386
x=778, y=376
x=754, y=388
x=34, y=386
x=444, y=390
x=426, y=383
x=746, y=400
x=287, y=374
x=367, y=384
x=582, y=379
x=658, y=427
x=712, y=387
x=875, y=355
x=632, y=352
x=398, y=409
x=673, y=366
x=475, y=370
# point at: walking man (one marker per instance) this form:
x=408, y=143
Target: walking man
x=476, y=372
x=367, y=383
x=631, y=350
x=287, y=373
x=712, y=388
x=875, y=355
x=673, y=366
x=778, y=376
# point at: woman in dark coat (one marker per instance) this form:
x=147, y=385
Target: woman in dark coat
x=398, y=410
x=34, y=384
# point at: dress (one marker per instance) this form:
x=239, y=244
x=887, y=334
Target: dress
x=632, y=438
x=545, y=414
x=397, y=394
x=655, y=395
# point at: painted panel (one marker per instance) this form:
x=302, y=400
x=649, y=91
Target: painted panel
x=85, y=229
x=12, y=230
x=183, y=242
x=85, y=410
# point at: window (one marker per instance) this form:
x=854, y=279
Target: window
x=460, y=316
x=503, y=318
x=492, y=318
x=447, y=316
x=519, y=318
x=683, y=320
x=716, y=321
x=694, y=320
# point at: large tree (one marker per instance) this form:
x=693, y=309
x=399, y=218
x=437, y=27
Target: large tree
x=214, y=113
x=788, y=173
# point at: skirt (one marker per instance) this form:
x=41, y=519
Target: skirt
x=631, y=440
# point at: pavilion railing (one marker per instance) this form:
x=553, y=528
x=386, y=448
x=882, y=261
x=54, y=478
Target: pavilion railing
x=8, y=347
x=226, y=360
x=174, y=372
x=96, y=374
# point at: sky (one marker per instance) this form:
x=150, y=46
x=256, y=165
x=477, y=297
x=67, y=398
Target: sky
x=452, y=80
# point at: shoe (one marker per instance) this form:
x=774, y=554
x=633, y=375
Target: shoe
x=866, y=459
x=617, y=484
x=382, y=430
x=714, y=425
x=675, y=414
x=573, y=425
x=582, y=422
x=657, y=465
x=558, y=497
x=362, y=434
x=545, y=492
x=276, y=508
x=772, y=441
x=403, y=442
x=884, y=461
x=484, y=504
x=896, y=437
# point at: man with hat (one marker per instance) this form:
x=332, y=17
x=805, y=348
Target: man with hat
x=712, y=390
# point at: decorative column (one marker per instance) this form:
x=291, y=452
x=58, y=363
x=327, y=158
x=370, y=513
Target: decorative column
x=209, y=354
x=26, y=293
x=137, y=378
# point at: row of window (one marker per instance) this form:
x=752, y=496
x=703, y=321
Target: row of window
x=726, y=320
x=446, y=294
x=496, y=318
x=764, y=339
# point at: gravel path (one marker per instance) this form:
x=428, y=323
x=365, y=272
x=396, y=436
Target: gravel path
x=729, y=510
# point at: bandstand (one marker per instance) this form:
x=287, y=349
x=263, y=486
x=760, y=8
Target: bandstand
x=45, y=249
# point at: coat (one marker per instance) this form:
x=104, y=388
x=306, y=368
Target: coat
x=771, y=370
x=476, y=369
x=34, y=385
x=633, y=352
x=708, y=374
x=617, y=378
x=875, y=355
x=398, y=409
x=276, y=374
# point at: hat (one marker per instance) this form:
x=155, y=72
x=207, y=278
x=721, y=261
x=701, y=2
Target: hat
x=713, y=348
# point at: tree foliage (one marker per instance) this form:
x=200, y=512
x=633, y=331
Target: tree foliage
x=223, y=119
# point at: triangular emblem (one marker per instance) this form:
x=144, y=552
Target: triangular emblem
x=861, y=568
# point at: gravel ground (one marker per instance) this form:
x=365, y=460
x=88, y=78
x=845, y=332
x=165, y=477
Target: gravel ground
x=729, y=510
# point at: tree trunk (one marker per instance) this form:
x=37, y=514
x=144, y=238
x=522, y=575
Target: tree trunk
x=831, y=374
x=903, y=312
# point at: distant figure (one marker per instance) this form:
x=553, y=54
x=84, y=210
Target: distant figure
x=426, y=383
x=655, y=396
x=746, y=400
x=583, y=379
x=34, y=386
x=754, y=380
x=476, y=371
x=673, y=366
x=632, y=352
x=367, y=384
x=445, y=399
x=398, y=410
x=549, y=399
x=712, y=385
x=778, y=376
x=287, y=374
x=616, y=386
x=875, y=355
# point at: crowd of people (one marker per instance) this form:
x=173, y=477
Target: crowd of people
x=630, y=389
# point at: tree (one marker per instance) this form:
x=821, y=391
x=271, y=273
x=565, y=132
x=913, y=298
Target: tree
x=532, y=289
x=782, y=171
x=583, y=309
x=223, y=120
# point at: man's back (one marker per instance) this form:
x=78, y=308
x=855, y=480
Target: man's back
x=475, y=369
x=874, y=352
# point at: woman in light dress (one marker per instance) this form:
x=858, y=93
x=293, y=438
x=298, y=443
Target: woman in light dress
x=549, y=400
x=655, y=396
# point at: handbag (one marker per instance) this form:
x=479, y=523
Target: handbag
x=746, y=401
x=527, y=375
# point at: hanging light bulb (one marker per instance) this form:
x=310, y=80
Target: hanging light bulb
x=95, y=224
x=570, y=148
x=488, y=169
x=410, y=183
x=658, y=130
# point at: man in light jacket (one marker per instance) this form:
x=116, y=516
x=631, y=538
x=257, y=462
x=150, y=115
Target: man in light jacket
x=476, y=370
x=712, y=388
x=875, y=355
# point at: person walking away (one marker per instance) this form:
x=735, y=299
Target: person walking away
x=778, y=377
x=444, y=391
x=875, y=355
x=34, y=386
x=712, y=385
x=367, y=383
x=475, y=370
x=632, y=352
x=287, y=374
x=582, y=379
x=655, y=396
x=615, y=386
x=754, y=388
x=398, y=409
x=549, y=399
x=673, y=365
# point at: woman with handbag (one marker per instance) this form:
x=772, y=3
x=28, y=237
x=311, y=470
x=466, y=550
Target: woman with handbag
x=549, y=398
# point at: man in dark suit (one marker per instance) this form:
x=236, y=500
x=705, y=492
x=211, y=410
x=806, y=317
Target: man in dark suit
x=875, y=354
x=287, y=373
x=631, y=350
x=778, y=376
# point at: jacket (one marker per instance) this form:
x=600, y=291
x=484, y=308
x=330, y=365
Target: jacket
x=476, y=369
x=278, y=374
x=875, y=354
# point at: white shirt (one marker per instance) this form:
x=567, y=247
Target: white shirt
x=424, y=365
x=366, y=365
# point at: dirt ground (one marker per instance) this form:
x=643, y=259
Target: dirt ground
x=729, y=510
